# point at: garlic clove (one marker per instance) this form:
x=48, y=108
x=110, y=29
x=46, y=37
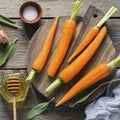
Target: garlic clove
x=3, y=37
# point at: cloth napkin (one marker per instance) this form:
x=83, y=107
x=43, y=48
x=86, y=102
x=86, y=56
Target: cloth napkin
x=106, y=107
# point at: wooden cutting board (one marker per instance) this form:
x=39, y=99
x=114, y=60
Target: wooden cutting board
x=105, y=53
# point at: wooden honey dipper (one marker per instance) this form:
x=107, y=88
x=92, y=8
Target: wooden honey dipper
x=13, y=86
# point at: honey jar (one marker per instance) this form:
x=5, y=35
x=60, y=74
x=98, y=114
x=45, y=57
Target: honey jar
x=23, y=90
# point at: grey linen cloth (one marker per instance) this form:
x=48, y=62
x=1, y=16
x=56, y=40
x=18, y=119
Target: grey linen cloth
x=106, y=107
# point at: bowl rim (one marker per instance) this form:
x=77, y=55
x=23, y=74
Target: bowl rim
x=34, y=4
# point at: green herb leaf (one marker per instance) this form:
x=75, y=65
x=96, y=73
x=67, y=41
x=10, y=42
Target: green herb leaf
x=7, y=52
x=9, y=22
x=81, y=97
x=38, y=109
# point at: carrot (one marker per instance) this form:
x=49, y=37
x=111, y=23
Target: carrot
x=41, y=59
x=64, y=41
x=91, y=34
x=63, y=45
x=39, y=62
x=96, y=74
x=71, y=70
x=76, y=66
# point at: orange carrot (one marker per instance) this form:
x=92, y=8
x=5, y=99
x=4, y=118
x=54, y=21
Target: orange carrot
x=63, y=45
x=64, y=41
x=39, y=62
x=99, y=72
x=41, y=59
x=96, y=74
x=91, y=34
x=75, y=67
x=86, y=40
x=71, y=70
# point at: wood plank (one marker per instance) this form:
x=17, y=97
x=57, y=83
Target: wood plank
x=5, y=72
x=20, y=56
x=19, y=59
x=114, y=32
x=17, y=63
x=53, y=8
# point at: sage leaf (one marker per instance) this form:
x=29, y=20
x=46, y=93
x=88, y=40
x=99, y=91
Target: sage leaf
x=81, y=97
x=38, y=109
x=8, y=21
x=7, y=52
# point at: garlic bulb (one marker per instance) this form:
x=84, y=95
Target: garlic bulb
x=3, y=37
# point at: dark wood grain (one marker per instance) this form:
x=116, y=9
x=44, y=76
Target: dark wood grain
x=53, y=8
x=105, y=53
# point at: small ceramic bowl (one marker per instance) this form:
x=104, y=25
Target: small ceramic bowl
x=36, y=7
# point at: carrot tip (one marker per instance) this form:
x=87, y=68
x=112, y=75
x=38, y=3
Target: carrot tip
x=69, y=60
x=60, y=102
x=56, y=105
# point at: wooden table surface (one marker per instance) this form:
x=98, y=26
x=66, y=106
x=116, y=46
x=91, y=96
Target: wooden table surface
x=17, y=63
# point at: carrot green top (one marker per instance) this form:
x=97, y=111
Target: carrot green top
x=77, y=6
x=107, y=16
